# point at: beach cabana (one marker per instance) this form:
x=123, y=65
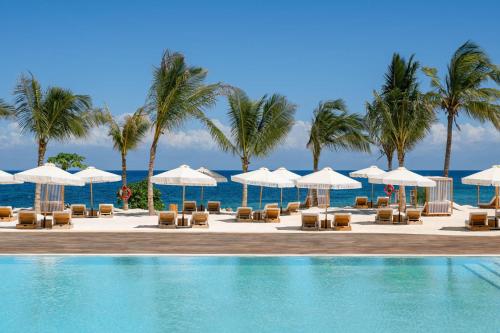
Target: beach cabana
x=367, y=173
x=183, y=176
x=488, y=177
x=327, y=179
x=439, y=199
x=402, y=177
x=52, y=178
x=284, y=173
x=91, y=175
x=217, y=176
x=264, y=178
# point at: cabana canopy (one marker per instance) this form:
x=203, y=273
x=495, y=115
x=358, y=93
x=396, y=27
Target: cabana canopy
x=49, y=174
x=402, y=177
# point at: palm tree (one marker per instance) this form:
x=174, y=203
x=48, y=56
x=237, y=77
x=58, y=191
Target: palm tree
x=5, y=109
x=126, y=136
x=56, y=114
x=334, y=128
x=257, y=127
x=375, y=128
x=177, y=93
x=463, y=90
x=67, y=161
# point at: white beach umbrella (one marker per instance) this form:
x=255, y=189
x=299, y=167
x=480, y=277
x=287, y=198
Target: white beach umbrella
x=91, y=176
x=366, y=173
x=49, y=174
x=488, y=177
x=284, y=173
x=217, y=176
x=264, y=178
x=183, y=176
x=327, y=179
x=6, y=178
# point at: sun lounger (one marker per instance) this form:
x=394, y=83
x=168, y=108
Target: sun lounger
x=78, y=210
x=199, y=220
x=310, y=221
x=189, y=206
x=491, y=204
x=27, y=219
x=384, y=216
x=271, y=205
x=291, y=208
x=342, y=221
x=61, y=219
x=478, y=221
x=361, y=202
x=382, y=202
x=106, y=210
x=272, y=214
x=213, y=207
x=167, y=219
x=244, y=214
x=6, y=214
x=413, y=216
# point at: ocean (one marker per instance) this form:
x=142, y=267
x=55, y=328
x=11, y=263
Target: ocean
x=229, y=193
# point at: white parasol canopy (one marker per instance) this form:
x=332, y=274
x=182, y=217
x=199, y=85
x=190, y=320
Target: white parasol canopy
x=283, y=172
x=402, y=177
x=366, y=173
x=6, y=178
x=183, y=176
x=262, y=177
x=327, y=179
x=217, y=176
x=488, y=177
x=49, y=174
x=93, y=175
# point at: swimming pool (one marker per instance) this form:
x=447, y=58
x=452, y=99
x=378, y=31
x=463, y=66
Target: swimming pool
x=243, y=294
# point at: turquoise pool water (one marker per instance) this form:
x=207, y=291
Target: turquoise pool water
x=249, y=294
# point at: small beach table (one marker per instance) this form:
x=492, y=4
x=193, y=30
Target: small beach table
x=258, y=216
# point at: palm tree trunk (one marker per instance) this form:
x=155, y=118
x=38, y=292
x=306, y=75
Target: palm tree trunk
x=314, y=192
x=402, y=192
x=124, y=178
x=389, y=156
x=244, y=196
x=152, y=156
x=42, y=148
x=449, y=137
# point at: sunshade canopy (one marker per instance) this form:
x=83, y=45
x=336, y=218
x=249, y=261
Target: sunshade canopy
x=217, y=176
x=367, y=172
x=93, y=175
x=327, y=179
x=183, y=176
x=402, y=177
x=49, y=174
x=262, y=177
x=6, y=178
x=284, y=173
x=488, y=177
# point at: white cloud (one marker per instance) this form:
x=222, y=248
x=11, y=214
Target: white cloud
x=298, y=136
x=11, y=135
x=98, y=136
x=468, y=135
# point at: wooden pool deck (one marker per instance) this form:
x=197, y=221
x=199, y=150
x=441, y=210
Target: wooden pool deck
x=244, y=243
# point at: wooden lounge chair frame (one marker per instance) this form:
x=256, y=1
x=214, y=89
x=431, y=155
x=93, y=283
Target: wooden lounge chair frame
x=491, y=204
x=167, y=219
x=272, y=214
x=199, y=220
x=413, y=216
x=361, y=202
x=478, y=221
x=382, y=202
x=27, y=219
x=213, y=207
x=61, y=220
x=244, y=214
x=310, y=221
x=106, y=210
x=384, y=216
x=189, y=207
x=291, y=208
x=342, y=221
x=6, y=214
x=78, y=211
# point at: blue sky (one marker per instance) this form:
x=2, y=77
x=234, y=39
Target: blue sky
x=308, y=51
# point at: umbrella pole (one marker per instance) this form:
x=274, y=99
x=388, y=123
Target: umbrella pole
x=478, y=195
x=372, y=197
x=496, y=204
x=201, y=203
x=281, y=201
x=298, y=194
x=260, y=200
x=46, y=205
x=183, y=198
x=91, y=200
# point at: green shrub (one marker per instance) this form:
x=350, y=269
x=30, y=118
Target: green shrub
x=139, y=198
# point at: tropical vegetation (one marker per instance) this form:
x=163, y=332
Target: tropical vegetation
x=139, y=197
x=54, y=114
x=464, y=91
x=68, y=161
x=178, y=93
x=257, y=127
x=126, y=136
